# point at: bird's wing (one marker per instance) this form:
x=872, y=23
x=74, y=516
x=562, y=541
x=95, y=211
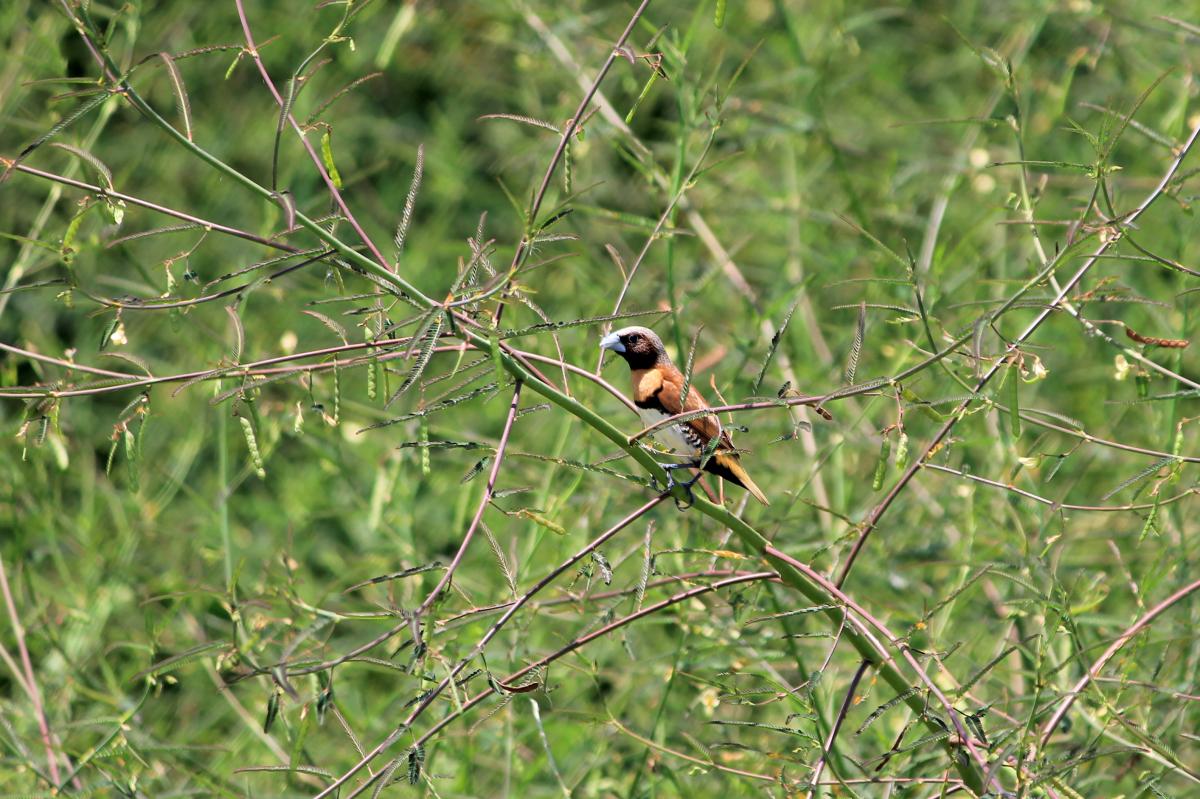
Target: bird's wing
x=705, y=428
x=660, y=389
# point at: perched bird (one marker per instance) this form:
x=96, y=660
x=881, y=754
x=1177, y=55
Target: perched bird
x=657, y=386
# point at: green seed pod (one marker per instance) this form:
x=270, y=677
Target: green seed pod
x=337, y=394
x=252, y=445
x=424, y=434
x=885, y=449
x=131, y=457
x=272, y=711
x=568, y=168
x=1151, y=525
x=112, y=454
x=372, y=370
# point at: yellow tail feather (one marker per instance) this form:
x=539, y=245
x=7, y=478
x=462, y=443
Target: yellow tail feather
x=754, y=490
x=729, y=466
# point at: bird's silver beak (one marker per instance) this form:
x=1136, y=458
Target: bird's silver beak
x=612, y=342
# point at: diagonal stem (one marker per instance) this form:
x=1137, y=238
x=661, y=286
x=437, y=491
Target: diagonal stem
x=488, y=492
x=572, y=126
x=429, y=698
x=684, y=185
x=338, y=200
x=30, y=679
x=1052, y=724
x=865, y=642
x=377, y=270
x=162, y=209
x=874, y=516
x=815, y=780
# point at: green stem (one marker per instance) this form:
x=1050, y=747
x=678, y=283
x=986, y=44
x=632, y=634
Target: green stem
x=349, y=253
x=754, y=541
x=750, y=537
x=222, y=492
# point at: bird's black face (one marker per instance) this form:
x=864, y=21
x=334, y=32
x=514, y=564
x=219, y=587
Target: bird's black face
x=639, y=346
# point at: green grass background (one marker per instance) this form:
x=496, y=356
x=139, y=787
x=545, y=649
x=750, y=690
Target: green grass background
x=816, y=122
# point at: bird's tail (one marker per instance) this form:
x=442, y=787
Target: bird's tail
x=729, y=466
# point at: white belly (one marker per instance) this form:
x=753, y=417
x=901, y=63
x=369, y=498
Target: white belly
x=669, y=436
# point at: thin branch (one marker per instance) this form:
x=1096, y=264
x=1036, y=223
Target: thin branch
x=488, y=492
x=861, y=613
x=256, y=368
x=252, y=49
x=1052, y=724
x=30, y=679
x=577, y=643
x=71, y=365
x=593, y=597
x=572, y=126
x=100, y=191
x=837, y=726
x=872, y=520
x=814, y=401
x=430, y=696
x=1061, y=505
x=150, y=305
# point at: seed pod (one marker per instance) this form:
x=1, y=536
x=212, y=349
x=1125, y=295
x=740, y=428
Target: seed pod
x=885, y=449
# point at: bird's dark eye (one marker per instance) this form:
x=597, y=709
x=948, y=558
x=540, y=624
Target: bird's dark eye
x=634, y=338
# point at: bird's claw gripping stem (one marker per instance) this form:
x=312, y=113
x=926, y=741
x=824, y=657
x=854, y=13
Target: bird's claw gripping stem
x=670, y=469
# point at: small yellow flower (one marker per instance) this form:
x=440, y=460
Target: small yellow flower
x=1122, y=368
x=1037, y=371
x=709, y=700
x=983, y=183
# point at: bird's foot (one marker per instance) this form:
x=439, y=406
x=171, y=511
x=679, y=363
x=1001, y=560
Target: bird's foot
x=670, y=469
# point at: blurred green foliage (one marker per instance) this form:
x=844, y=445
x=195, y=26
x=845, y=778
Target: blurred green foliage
x=839, y=155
